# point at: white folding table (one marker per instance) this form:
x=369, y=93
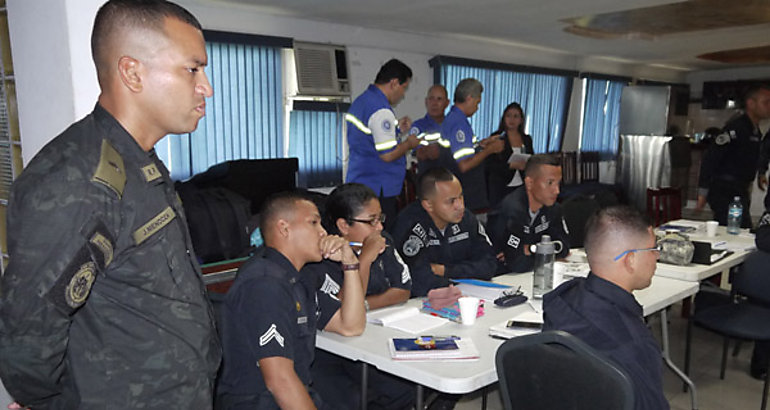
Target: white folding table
x=466, y=376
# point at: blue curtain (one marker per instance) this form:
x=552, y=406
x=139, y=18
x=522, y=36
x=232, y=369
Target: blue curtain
x=542, y=96
x=315, y=137
x=244, y=118
x=601, y=116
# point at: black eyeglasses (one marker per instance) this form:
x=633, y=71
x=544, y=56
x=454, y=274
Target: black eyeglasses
x=373, y=222
x=655, y=248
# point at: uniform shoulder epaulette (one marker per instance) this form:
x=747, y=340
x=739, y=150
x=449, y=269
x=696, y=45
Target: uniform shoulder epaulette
x=110, y=172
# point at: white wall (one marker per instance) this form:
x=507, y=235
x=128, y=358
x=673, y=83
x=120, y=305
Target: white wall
x=56, y=81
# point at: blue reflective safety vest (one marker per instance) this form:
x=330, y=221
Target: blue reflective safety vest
x=457, y=130
x=371, y=132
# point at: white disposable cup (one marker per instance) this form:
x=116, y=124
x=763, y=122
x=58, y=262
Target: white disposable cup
x=711, y=228
x=469, y=306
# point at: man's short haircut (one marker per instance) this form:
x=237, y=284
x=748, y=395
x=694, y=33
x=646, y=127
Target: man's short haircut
x=535, y=162
x=753, y=91
x=345, y=202
x=133, y=14
x=277, y=206
x=428, y=180
x=612, y=225
x=440, y=87
x=393, y=69
x=469, y=87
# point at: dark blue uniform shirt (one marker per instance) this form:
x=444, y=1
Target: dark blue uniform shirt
x=511, y=227
x=457, y=130
x=463, y=248
x=733, y=155
x=387, y=271
x=610, y=320
x=269, y=311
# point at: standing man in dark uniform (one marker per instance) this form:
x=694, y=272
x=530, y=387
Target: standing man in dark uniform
x=439, y=238
x=528, y=213
x=601, y=309
x=271, y=313
x=732, y=159
x=377, y=158
x=433, y=150
x=470, y=159
x=103, y=304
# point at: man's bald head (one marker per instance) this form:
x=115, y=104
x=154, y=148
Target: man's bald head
x=119, y=22
x=613, y=230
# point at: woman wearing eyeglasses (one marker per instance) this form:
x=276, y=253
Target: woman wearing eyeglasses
x=353, y=212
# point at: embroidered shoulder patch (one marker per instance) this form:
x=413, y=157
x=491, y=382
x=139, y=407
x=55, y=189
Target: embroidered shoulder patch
x=100, y=243
x=722, y=139
x=412, y=246
x=330, y=287
x=74, y=285
x=460, y=136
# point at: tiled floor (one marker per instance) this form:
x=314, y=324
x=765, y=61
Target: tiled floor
x=737, y=391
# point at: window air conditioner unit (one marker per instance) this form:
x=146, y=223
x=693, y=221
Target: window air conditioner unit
x=322, y=70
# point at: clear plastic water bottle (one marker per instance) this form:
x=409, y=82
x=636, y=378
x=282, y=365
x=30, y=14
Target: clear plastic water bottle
x=734, y=216
x=545, y=252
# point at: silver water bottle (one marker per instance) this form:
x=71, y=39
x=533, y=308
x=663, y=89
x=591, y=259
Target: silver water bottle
x=545, y=252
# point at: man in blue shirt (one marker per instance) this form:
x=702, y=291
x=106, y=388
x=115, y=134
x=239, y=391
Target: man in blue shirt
x=470, y=161
x=376, y=155
x=433, y=151
x=271, y=313
x=602, y=311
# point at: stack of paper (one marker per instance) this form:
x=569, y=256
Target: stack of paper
x=442, y=348
x=405, y=319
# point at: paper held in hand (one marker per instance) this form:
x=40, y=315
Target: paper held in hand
x=405, y=319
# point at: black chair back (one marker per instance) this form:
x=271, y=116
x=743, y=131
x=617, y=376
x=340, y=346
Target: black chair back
x=555, y=370
x=752, y=279
x=576, y=212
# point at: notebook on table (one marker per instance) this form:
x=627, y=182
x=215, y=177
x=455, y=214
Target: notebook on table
x=432, y=348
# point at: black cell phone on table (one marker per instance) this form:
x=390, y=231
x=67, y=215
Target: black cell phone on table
x=526, y=325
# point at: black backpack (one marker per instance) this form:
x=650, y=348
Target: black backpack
x=218, y=222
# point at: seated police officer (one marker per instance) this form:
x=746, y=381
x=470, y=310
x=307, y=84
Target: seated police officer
x=601, y=309
x=528, y=213
x=353, y=211
x=270, y=314
x=439, y=239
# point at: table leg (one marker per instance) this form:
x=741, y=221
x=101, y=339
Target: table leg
x=364, y=384
x=670, y=363
x=418, y=402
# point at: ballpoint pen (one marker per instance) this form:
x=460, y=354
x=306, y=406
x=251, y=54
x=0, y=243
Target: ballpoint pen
x=360, y=244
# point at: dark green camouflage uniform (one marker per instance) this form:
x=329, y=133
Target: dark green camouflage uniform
x=102, y=305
